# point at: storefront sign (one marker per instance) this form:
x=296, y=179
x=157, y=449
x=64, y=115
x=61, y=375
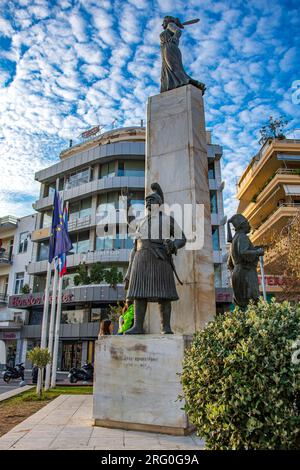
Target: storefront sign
x=21, y=301
x=6, y=335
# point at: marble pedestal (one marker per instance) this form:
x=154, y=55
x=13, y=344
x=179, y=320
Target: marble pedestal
x=176, y=158
x=136, y=383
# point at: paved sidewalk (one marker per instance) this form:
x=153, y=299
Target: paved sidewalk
x=66, y=423
x=14, y=392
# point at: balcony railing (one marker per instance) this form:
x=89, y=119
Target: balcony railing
x=5, y=258
x=3, y=298
x=288, y=171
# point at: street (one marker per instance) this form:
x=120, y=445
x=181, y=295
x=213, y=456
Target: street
x=62, y=377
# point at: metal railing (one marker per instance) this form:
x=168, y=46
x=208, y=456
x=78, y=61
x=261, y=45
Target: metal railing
x=5, y=258
x=288, y=171
x=3, y=297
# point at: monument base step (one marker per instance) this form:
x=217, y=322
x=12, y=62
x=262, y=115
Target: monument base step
x=144, y=427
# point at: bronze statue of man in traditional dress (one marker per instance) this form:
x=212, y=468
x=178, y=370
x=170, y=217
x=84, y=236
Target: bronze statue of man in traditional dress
x=243, y=260
x=173, y=74
x=150, y=275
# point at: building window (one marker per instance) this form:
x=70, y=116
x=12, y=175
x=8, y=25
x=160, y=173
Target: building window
x=81, y=242
x=131, y=168
x=213, y=202
x=107, y=170
x=218, y=275
x=19, y=283
x=75, y=316
x=80, y=209
x=211, y=171
x=79, y=177
x=46, y=219
x=39, y=284
x=215, y=238
x=23, y=242
x=43, y=251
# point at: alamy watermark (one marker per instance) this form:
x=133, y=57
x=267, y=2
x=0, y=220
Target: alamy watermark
x=131, y=221
x=296, y=92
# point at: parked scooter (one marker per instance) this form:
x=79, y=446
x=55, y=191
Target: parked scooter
x=85, y=373
x=16, y=372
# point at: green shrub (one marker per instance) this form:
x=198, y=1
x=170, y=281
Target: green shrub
x=241, y=387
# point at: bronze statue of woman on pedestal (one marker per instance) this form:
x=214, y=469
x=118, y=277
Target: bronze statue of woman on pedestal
x=173, y=74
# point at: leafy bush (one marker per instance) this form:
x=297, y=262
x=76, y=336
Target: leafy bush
x=39, y=357
x=241, y=386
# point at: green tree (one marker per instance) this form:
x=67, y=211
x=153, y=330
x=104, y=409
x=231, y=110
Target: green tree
x=273, y=130
x=40, y=358
x=112, y=276
x=81, y=277
x=97, y=273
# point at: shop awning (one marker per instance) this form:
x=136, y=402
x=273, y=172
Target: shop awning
x=292, y=189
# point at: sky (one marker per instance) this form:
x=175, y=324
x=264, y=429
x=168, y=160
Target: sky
x=68, y=65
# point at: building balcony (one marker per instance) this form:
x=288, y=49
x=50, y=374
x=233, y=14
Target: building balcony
x=95, y=186
x=3, y=300
x=285, y=183
x=73, y=225
x=9, y=221
x=91, y=257
x=89, y=156
x=5, y=258
x=265, y=163
x=274, y=223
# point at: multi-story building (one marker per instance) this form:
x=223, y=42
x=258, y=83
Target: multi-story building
x=15, y=255
x=269, y=193
x=93, y=175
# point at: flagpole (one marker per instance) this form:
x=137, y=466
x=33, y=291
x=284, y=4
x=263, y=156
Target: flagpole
x=57, y=323
x=56, y=335
x=51, y=328
x=44, y=323
x=53, y=303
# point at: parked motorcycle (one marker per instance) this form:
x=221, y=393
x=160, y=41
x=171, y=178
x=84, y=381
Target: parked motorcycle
x=85, y=373
x=16, y=372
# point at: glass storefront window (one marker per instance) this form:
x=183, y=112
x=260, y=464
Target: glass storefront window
x=75, y=316
x=215, y=238
x=213, y=202
x=71, y=354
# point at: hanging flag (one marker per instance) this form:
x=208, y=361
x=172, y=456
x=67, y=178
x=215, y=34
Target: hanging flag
x=54, y=224
x=62, y=258
x=60, y=242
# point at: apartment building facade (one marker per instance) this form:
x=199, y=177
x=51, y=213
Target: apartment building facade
x=93, y=176
x=16, y=251
x=269, y=195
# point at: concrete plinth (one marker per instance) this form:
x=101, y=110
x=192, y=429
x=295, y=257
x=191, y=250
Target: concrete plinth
x=137, y=383
x=176, y=158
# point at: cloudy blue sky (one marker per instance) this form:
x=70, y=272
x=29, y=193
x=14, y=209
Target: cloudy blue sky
x=69, y=64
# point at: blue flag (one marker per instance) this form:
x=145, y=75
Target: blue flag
x=60, y=242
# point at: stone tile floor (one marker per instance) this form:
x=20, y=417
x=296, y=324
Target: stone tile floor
x=66, y=423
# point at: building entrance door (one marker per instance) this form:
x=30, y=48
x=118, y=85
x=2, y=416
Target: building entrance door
x=71, y=354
